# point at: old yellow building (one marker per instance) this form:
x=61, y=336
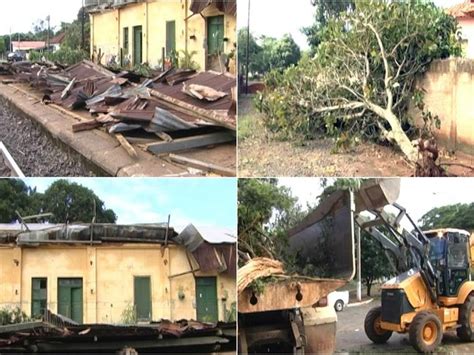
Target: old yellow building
x=140, y=31
x=113, y=274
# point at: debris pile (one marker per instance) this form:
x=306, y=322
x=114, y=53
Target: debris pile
x=175, y=111
x=55, y=333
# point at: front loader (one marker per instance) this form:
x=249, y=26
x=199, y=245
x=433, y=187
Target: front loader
x=433, y=291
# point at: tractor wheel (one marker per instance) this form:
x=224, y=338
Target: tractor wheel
x=373, y=328
x=426, y=332
x=466, y=320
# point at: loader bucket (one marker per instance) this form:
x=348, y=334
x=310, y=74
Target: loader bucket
x=326, y=235
x=376, y=194
x=325, y=238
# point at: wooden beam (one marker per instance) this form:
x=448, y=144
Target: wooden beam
x=85, y=126
x=208, y=167
x=191, y=143
x=126, y=145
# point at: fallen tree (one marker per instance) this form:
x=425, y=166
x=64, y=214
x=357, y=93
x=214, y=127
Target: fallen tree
x=362, y=78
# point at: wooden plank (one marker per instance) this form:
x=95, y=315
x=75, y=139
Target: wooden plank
x=208, y=167
x=10, y=162
x=68, y=88
x=126, y=145
x=191, y=143
x=287, y=294
x=85, y=126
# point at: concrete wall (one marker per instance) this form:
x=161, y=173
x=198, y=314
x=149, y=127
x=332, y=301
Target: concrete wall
x=108, y=277
x=152, y=15
x=449, y=87
x=466, y=25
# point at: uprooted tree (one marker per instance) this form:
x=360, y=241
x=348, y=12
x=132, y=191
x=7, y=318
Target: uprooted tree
x=362, y=77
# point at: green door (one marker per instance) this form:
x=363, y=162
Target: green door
x=142, y=297
x=70, y=298
x=137, y=45
x=215, y=35
x=39, y=297
x=206, y=299
x=170, y=37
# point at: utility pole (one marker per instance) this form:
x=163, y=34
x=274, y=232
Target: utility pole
x=83, y=19
x=49, y=23
x=11, y=44
x=359, y=268
x=248, y=53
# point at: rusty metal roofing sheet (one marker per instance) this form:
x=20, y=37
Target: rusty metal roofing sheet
x=217, y=81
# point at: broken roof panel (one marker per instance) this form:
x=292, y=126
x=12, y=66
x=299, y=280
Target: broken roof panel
x=217, y=81
x=228, y=7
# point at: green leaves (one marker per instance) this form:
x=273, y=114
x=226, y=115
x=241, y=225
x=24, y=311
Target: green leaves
x=350, y=65
x=67, y=201
x=452, y=216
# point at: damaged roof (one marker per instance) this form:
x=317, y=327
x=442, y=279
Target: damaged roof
x=229, y=7
x=213, y=250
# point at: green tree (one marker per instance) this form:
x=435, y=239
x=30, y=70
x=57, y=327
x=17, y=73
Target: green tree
x=325, y=10
x=71, y=202
x=15, y=195
x=362, y=78
x=452, y=216
x=278, y=54
x=254, y=51
x=3, y=46
x=258, y=201
x=374, y=262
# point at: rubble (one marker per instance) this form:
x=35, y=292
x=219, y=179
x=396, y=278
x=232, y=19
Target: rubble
x=177, y=104
x=55, y=333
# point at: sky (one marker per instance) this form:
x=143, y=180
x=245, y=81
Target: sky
x=417, y=195
x=202, y=202
x=284, y=16
x=21, y=14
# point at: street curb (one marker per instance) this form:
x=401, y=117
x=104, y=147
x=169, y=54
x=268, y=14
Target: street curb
x=357, y=304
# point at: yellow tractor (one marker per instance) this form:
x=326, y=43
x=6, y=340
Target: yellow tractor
x=433, y=292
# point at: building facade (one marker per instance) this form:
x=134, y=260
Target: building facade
x=136, y=32
x=113, y=283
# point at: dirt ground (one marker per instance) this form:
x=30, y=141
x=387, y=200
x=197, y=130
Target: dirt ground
x=351, y=336
x=260, y=154
x=36, y=153
x=4, y=170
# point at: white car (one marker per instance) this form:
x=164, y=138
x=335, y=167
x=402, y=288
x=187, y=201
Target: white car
x=338, y=299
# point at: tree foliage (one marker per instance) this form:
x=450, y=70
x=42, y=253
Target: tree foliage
x=453, y=216
x=267, y=53
x=69, y=202
x=325, y=10
x=374, y=263
x=258, y=201
x=362, y=78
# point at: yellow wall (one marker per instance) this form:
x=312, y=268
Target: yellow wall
x=107, y=30
x=108, y=278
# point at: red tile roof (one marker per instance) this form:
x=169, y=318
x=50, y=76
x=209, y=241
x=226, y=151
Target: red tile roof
x=58, y=39
x=27, y=45
x=465, y=9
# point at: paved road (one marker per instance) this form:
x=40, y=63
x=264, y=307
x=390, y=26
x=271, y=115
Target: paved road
x=351, y=337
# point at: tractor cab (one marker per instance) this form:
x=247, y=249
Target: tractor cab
x=449, y=253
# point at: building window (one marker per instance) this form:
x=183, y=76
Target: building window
x=126, y=41
x=39, y=298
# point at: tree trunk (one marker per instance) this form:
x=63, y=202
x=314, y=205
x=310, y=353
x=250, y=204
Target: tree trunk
x=397, y=134
x=368, y=284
